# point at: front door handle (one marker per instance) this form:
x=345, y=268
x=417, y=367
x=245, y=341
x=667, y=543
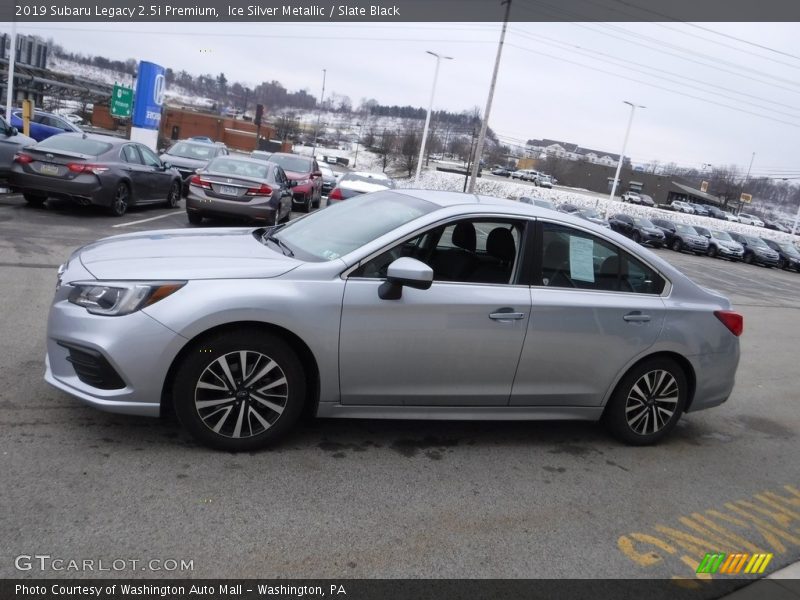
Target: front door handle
x=506, y=314
x=636, y=317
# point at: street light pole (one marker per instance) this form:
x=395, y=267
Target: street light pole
x=439, y=58
x=479, y=147
x=358, y=141
x=624, y=145
x=12, y=59
x=319, y=112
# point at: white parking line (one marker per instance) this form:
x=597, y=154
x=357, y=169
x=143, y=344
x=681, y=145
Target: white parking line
x=143, y=220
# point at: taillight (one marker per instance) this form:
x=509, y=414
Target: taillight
x=336, y=194
x=263, y=190
x=200, y=182
x=23, y=158
x=732, y=320
x=87, y=168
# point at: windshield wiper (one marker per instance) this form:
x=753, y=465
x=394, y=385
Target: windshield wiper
x=269, y=236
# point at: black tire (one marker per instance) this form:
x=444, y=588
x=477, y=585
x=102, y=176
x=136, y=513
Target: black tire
x=712, y=251
x=318, y=201
x=195, y=218
x=306, y=206
x=122, y=197
x=677, y=245
x=637, y=237
x=34, y=199
x=631, y=426
x=174, y=195
x=248, y=424
x=748, y=258
x=782, y=264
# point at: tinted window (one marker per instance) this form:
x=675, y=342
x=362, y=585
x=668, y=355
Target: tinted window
x=290, y=162
x=70, y=143
x=130, y=155
x=574, y=259
x=196, y=150
x=241, y=168
x=150, y=159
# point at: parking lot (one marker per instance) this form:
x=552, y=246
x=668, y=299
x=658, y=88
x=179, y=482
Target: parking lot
x=392, y=498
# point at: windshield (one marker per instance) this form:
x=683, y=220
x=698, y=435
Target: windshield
x=590, y=213
x=685, y=229
x=326, y=170
x=789, y=249
x=722, y=235
x=543, y=203
x=754, y=241
x=70, y=143
x=364, y=178
x=195, y=150
x=641, y=222
x=346, y=226
x=298, y=164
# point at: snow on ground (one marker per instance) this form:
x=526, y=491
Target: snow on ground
x=437, y=180
x=366, y=161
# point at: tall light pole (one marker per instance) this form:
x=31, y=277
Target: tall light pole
x=358, y=141
x=479, y=147
x=439, y=58
x=319, y=112
x=624, y=145
x=12, y=59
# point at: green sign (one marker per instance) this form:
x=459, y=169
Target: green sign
x=121, y=101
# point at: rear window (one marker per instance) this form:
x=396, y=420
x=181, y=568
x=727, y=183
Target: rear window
x=289, y=162
x=80, y=145
x=241, y=168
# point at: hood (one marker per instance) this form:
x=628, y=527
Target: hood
x=653, y=230
x=297, y=175
x=219, y=253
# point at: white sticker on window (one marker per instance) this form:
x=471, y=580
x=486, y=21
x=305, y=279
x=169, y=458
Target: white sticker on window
x=581, y=259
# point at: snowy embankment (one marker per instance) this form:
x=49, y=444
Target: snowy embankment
x=436, y=180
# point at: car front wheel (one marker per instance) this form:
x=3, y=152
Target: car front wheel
x=174, y=194
x=647, y=402
x=712, y=251
x=677, y=245
x=239, y=390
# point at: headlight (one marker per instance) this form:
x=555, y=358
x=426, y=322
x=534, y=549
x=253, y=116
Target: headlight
x=117, y=298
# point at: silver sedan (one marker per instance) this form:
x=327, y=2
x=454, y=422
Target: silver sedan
x=396, y=304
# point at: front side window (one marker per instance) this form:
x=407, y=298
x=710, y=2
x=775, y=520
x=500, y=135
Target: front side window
x=130, y=155
x=149, y=158
x=465, y=251
x=575, y=259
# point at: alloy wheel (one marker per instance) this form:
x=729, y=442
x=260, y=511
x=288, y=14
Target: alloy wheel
x=651, y=402
x=241, y=394
x=120, y=203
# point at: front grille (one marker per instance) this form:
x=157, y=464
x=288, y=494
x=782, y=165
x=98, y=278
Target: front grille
x=92, y=368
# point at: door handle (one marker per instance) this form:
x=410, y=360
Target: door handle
x=506, y=314
x=636, y=317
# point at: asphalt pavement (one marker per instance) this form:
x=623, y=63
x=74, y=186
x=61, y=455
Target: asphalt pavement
x=391, y=498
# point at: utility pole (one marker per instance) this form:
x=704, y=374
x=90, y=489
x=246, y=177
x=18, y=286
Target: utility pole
x=479, y=148
x=319, y=112
x=746, y=179
x=469, y=158
x=624, y=145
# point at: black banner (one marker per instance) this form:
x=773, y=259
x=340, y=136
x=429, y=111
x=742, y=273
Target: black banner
x=364, y=589
x=398, y=10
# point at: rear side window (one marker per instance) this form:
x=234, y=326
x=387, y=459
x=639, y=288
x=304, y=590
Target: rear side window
x=131, y=155
x=575, y=259
x=70, y=143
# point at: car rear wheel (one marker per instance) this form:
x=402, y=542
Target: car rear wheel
x=34, y=199
x=174, y=194
x=647, y=402
x=194, y=217
x=239, y=391
x=677, y=245
x=119, y=205
x=636, y=237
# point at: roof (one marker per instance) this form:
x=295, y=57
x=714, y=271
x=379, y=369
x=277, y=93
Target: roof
x=696, y=193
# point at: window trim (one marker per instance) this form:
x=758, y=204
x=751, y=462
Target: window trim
x=538, y=244
x=520, y=268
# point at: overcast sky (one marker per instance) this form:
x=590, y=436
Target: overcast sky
x=564, y=81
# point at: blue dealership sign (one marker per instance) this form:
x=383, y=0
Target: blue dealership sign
x=149, y=97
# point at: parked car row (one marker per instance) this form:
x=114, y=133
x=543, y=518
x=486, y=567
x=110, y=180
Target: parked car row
x=699, y=240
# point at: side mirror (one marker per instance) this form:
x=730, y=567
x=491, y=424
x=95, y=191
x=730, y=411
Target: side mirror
x=405, y=271
x=292, y=183
x=167, y=165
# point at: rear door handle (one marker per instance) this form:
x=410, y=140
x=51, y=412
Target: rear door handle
x=506, y=314
x=636, y=317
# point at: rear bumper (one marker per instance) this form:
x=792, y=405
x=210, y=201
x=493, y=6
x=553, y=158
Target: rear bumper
x=257, y=208
x=84, y=187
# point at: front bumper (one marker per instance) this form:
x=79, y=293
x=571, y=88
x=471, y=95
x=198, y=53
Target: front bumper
x=730, y=252
x=137, y=347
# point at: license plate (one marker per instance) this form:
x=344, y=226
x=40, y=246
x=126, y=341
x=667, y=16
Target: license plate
x=228, y=190
x=48, y=170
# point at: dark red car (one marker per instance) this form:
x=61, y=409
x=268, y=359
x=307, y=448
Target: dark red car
x=305, y=171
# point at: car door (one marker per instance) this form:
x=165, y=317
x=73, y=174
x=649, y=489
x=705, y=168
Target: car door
x=159, y=178
x=286, y=191
x=454, y=344
x=595, y=309
x=136, y=171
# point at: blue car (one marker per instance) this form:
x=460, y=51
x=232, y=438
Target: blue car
x=44, y=124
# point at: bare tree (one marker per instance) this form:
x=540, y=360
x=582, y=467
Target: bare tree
x=386, y=147
x=409, y=151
